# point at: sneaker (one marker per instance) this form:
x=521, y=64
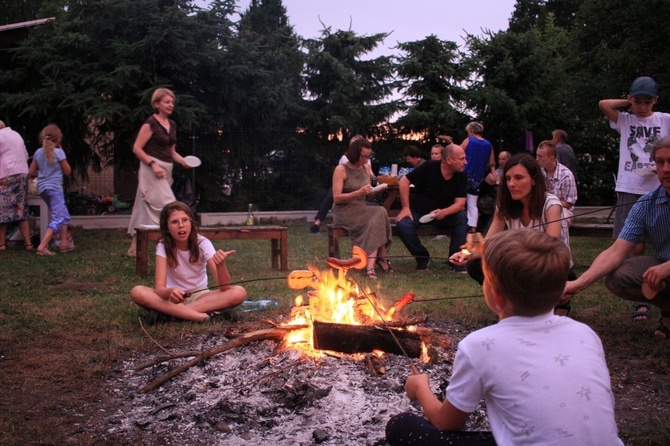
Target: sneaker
x=423, y=266
x=230, y=314
x=458, y=269
x=154, y=317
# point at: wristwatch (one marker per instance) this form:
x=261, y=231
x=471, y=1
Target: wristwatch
x=150, y=163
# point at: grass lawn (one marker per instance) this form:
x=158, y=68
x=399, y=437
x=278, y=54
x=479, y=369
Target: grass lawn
x=66, y=322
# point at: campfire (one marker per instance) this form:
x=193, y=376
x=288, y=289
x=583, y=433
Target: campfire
x=339, y=315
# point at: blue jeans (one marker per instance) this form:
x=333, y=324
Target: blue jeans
x=406, y=229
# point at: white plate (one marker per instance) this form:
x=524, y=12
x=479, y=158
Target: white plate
x=378, y=188
x=427, y=218
x=192, y=161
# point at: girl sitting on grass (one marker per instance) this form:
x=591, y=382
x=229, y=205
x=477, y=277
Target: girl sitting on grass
x=182, y=259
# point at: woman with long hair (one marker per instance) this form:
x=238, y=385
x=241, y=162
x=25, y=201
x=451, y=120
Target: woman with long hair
x=182, y=259
x=523, y=202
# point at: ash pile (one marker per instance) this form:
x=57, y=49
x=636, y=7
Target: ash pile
x=253, y=395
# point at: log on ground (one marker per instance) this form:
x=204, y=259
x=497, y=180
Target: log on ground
x=345, y=338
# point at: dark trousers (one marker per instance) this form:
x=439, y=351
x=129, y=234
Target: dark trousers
x=407, y=429
x=326, y=205
x=406, y=229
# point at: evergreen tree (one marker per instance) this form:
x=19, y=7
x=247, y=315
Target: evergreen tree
x=431, y=78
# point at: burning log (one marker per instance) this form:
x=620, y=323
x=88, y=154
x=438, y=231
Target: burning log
x=365, y=338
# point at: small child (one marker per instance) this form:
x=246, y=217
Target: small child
x=49, y=165
x=182, y=259
x=639, y=130
x=543, y=377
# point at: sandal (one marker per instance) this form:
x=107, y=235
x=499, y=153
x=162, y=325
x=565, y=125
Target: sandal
x=560, y=308
x=383, y=261
x=638, y=314
x=662, y=331
x=45, y=252
x=3, y=247
x=29, y=246
x=67, y=248
x=371, y=274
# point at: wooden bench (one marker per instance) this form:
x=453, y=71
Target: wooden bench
x=336, y=231
x=278, y=236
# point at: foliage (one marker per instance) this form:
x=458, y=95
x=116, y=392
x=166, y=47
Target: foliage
x=347, y=94
x=520, y=83
x=431, y=76
x=270, y=113
x=93, y=72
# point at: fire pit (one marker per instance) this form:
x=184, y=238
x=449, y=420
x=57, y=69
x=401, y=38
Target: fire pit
x=318, y=381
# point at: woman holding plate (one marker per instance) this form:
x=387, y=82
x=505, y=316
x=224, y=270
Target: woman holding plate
x=155, y=148
x=368, y=226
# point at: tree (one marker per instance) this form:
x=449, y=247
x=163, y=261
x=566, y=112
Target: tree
x=431, y=78
x=92, y=72
x=519, y=82
x=265, y=104
x=347, y=95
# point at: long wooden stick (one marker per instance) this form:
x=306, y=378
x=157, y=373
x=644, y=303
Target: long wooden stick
x=270, y=333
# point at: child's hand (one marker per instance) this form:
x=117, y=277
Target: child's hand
x=460, y=258
x=415, y=383
x=220, y=256
x=176, y=296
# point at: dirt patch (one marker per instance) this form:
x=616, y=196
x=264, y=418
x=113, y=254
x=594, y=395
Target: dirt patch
x=72, y=391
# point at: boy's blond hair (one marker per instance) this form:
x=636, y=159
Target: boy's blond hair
x=528, y=267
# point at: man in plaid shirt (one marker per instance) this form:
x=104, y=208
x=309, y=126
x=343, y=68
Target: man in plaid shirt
x=560, y=179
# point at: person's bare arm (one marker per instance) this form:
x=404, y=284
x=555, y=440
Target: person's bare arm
x=610, y=108
x=552, y=219
x=32, y=170
x=458, y=206
x=143, y=137
x=444, y=415
x=403, y=193
x=65, y=167
x=606, y=262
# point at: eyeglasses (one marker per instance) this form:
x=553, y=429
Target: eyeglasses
x=366, y=157
x=179, y=222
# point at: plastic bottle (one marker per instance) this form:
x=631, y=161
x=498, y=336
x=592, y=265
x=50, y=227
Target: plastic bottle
x=256, y=305
x=250, y=215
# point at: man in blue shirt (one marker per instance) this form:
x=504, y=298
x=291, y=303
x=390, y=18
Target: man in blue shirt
x=644, y=276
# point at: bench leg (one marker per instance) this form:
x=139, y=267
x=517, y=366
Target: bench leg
x=333, y=244
x=283, y=250
x=274, y=251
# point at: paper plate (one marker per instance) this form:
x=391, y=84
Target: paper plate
x=192, y=161
x=427, y=218
x=378, y=188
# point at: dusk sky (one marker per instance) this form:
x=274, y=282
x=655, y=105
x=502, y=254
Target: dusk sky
x=409, y=20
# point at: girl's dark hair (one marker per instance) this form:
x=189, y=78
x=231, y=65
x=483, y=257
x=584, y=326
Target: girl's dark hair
x=168, y=241
x=512, y=209
x=353, y=153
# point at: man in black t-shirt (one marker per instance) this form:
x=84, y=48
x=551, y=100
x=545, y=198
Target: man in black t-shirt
x=437, y=198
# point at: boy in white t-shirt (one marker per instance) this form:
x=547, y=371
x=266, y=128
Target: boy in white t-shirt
x=543, y=377
x=639, y=131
